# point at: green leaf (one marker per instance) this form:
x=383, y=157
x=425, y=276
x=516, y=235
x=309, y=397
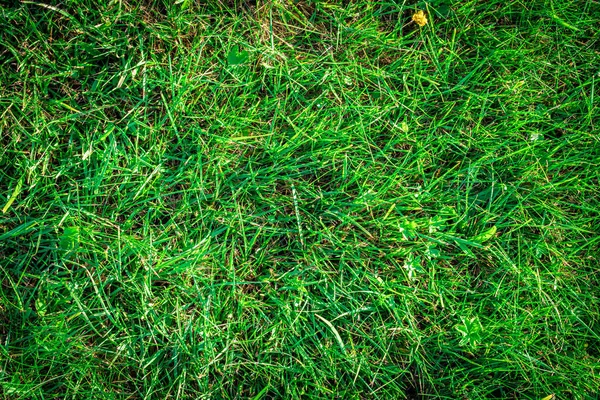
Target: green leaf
x=433, y=252
x=471, y=330
x=485, y=236
x=14, y=195
x=404, y=127
x=236, y=57
x=40, y=306
x=412, y=265
x=436, y=223
x=409, y=230
x=184, y=3
x=69, y=240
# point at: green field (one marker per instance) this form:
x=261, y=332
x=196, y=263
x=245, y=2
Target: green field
x=299, y=199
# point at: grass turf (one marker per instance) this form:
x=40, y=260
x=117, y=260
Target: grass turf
x=263, y=199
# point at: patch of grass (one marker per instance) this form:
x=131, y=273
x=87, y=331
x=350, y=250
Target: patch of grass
x=264, y=199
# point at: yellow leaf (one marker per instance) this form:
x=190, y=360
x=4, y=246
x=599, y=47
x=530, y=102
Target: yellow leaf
x=549, y=397
x=420, y=18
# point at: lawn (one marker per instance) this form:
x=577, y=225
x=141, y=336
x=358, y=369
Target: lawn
x=299, y=199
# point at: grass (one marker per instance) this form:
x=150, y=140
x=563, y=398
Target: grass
x=299, y=199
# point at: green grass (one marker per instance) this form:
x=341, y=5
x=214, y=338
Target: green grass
x=299, y=199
